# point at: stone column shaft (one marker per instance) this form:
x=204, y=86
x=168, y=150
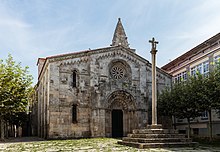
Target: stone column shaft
x=154, y=89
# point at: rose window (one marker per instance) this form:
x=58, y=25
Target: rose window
x=118, y=72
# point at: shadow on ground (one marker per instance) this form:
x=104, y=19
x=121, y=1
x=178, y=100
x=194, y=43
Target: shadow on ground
x=21, y=139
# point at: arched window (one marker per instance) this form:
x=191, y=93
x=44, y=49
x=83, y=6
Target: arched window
x=74, y=113
x=74, y=78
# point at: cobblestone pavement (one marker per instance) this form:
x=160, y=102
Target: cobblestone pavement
x=85, y=145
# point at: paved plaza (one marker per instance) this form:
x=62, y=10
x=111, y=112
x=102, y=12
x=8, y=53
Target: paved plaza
x=85, y=145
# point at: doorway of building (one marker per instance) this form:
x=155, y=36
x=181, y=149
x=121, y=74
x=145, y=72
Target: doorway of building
x=117, y=123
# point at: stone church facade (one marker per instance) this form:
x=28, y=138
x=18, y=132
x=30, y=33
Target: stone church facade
x=103, y=92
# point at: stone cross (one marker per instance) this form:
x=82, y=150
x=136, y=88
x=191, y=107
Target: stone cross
x=154, y=89
x=154, y=45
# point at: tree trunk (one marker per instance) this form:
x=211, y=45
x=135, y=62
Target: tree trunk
x=15, y=130
x=6, y=129
x=11, y=130
x=174, y=122
x=14, y=133
x=210, y=125
x=189, y=128
x=2, y=129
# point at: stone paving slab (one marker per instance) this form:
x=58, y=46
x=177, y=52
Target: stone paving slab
x=89, y=145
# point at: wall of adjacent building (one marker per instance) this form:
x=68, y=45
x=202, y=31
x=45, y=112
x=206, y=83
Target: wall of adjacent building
x=208, y=55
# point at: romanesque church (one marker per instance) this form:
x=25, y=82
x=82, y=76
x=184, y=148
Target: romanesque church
x=104, y=92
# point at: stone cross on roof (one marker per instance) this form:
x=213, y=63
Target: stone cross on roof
x=120, y=37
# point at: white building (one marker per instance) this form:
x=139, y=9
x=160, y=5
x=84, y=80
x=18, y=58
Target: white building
x=201, y=58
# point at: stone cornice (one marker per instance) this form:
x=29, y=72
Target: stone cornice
x=92, y=52
x=85, y=56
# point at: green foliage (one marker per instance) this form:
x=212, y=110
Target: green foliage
x=188, y=99
x=211, y=89
x=181, y=100
x=15, y=85
x=166, y=106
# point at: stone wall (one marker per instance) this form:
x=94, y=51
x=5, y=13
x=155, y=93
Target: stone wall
x=106, y=79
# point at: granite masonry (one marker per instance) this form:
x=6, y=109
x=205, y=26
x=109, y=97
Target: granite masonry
x=102, y=92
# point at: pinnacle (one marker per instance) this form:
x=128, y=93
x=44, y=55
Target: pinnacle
x=119, y=37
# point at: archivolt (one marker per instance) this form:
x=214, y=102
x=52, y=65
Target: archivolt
x=122, y=99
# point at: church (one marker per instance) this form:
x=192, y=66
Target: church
x=104, y=92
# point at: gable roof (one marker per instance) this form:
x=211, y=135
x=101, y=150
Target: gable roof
x=96, y=51
x=79, y=54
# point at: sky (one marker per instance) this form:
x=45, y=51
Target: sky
x=30, y=29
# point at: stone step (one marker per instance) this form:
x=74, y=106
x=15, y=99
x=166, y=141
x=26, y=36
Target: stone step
x=154, y=131
x=156, y=140
x=156, y=135
x=158, y=145
x=157, y=126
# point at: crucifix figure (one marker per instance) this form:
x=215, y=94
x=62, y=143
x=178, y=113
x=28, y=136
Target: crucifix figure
x=154, y=89
x=154, y=45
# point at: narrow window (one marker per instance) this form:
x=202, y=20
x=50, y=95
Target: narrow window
x=74, y=79
x=193, y=71
x=184, y=76
x=206, y=68
x=74, y=113
x=204, y=115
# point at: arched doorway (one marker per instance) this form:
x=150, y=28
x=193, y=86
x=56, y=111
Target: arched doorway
x=117, y=123
x=120, y=118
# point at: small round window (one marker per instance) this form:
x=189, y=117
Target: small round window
x=118, y=71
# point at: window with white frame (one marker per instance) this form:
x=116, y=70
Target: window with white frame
x=184, y=75
x=199, y=68
x=175, y=79
x=193, y=71
x=217, y=59
x=206, y=68
x=179, y=77
x=204, y=115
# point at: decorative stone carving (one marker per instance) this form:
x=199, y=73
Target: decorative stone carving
x=121, y=98
x=118, y=71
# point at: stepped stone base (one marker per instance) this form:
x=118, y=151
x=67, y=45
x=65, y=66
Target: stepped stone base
x=156, y=137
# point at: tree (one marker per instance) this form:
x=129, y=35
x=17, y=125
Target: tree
x=190, y=98
x=166, y=104
x=182, y=100
x=211, y=97
x=186, y=101
x=15, y=85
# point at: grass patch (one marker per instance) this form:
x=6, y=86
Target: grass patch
x=93, y=144
x=90, y=145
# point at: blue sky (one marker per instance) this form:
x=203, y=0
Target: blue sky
x=38, y=28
